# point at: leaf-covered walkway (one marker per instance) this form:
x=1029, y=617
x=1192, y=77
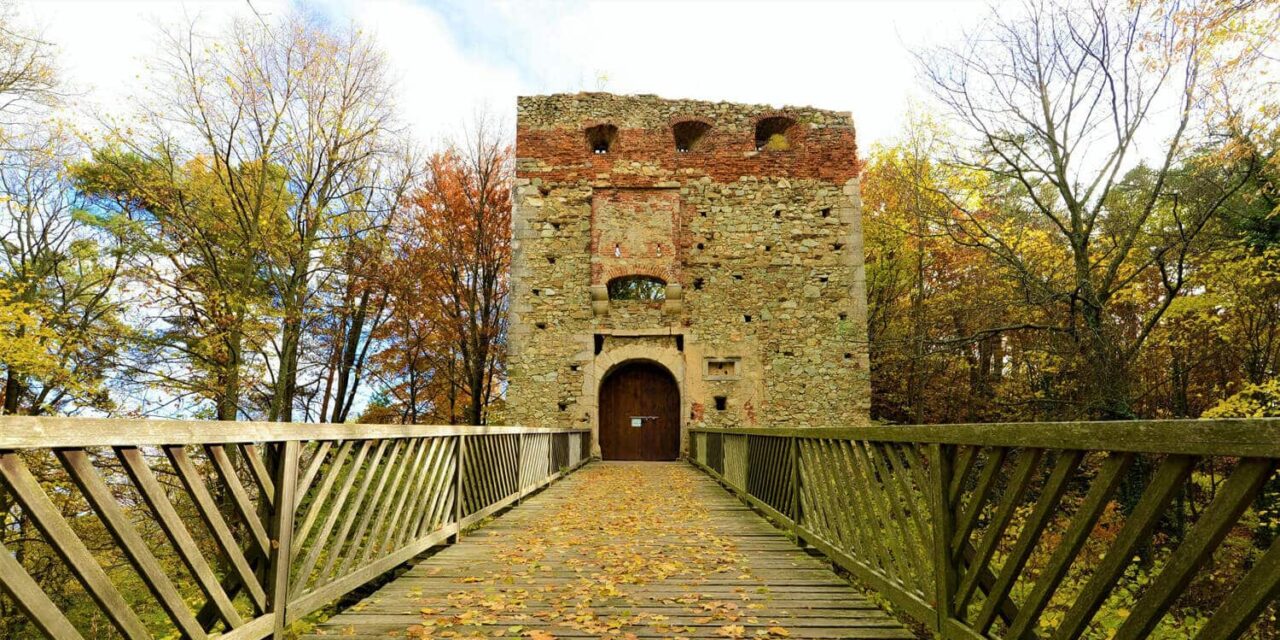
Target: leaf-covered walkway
x=625, y=550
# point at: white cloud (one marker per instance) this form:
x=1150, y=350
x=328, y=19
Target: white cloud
x=453, y=57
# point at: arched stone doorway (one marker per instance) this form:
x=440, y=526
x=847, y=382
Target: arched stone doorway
x=639, y=413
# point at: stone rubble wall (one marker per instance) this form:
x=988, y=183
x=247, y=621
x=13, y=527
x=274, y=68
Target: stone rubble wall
x=761, y=250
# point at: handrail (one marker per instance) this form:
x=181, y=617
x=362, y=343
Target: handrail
x=1053, y=530
x=262, y=523
x=1231, y=436
x=25, y=432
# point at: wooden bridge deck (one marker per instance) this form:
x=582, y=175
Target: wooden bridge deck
x=624, y=550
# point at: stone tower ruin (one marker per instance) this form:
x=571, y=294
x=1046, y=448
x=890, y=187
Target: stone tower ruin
x=680, y=262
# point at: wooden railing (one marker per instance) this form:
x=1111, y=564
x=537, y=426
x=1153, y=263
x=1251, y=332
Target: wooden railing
x=1162, y=529
x=239, y=529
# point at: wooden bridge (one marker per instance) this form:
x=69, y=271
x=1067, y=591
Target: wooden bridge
x=157, y=529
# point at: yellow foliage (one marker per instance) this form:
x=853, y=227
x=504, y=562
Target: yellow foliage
x=23, y=336
x=777, y=142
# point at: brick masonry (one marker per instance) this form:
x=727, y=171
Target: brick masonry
x=761, y=250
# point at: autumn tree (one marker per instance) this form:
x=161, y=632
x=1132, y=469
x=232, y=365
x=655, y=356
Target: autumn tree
x=58, y=264
x=354, y=291
x=1061, y=105
x=293, y=120
x=201, y=298
x=29, y=83
x=450, y=275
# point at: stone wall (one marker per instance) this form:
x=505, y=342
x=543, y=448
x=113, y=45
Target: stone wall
x=761, y=249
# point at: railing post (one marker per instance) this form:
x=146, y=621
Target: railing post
x=281, y=534
x=519, y=468
x=458, y=497
x=944, y=568
x=795, y=488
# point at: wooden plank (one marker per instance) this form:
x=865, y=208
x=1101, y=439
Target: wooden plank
x=872, y=553
x=375, y=504
x=941, y=510
x=321, y=496
x=117, y=524
x=35, y=502
x=240, y=497
x=258, y=469
x=370, y=547
x=1260, y=587
x=179, y=536
x=1258, y=437
x=280, y=559
x=353, y=510
x=313, y=468
x=916, y=499
x=28, y=432
x=1032, y=527
x=978, y=499
x=1168, y=480
x=893, y=520
x=31, y=599
x=213, y=520
x=783, y=586
x=834, y=508
x=397, y=517
x=1232, y=498
x=459, y=493
x=962, y=467
x=322, y=539
x=442, y=490
x=1019, y=482
x=420, y=504
x=1095, y=503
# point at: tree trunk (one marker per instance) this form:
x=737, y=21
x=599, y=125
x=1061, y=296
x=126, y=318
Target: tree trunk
x=12, y=392
x=229, y=399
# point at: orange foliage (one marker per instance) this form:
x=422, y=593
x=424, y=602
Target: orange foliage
x=448, y=279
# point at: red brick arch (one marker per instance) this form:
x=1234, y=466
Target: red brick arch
x=610, y=272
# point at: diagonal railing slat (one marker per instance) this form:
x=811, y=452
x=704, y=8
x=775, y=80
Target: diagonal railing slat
x=237, y=530
x=1019, y=531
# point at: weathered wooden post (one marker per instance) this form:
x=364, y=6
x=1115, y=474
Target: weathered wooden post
x=944, y=568
x=795, y=488
x=281, y=552
x=458, y=489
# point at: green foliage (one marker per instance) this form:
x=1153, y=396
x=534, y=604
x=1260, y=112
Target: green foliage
x=1254, y=401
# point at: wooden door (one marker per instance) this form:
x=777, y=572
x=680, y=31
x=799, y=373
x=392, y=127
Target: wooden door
x=639, y=414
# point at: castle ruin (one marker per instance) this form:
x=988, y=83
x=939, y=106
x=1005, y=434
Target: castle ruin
x=683, y=263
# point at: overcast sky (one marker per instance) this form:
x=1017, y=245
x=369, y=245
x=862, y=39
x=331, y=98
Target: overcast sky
x=452, y=57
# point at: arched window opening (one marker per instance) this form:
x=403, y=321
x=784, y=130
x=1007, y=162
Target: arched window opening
x=772, y=134
x=689, y=134
x=600, y=138
x=644, y=288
